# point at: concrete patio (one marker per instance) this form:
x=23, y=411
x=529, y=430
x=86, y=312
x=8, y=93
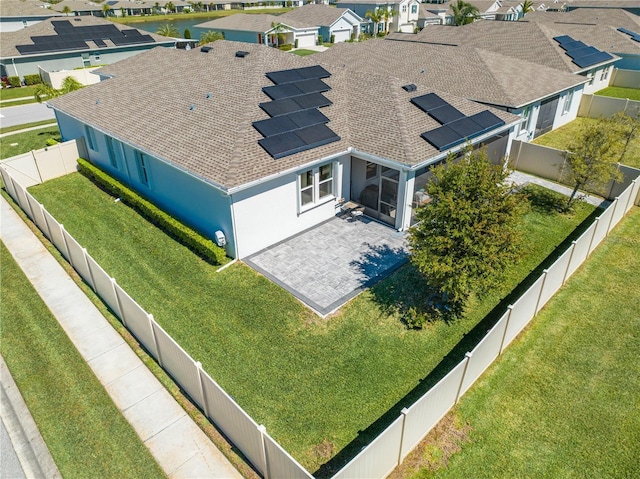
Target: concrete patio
x=326, y=266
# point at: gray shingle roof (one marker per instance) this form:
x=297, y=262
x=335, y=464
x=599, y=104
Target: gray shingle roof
x=216, y=140
x=524, y=40
x=314, y=15
x=26, y=8
x=248, y=22
x=9, y=40
x=476, y=74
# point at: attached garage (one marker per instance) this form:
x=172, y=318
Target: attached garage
x=306, y=39
x=341, y=35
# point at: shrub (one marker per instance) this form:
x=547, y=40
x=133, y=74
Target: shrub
x=52, y=141
x=187, y=33
x=296, y=43
x=32, y=79
x=13, y=81
x=202, y=246
x=285, y=48
x=319, y=39
x=332, y=39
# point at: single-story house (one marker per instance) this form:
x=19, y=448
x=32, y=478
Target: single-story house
x=79, y=8
x=265, y=29
x=403, y=13
x=340, y=23
x=544, y=97
x=18, y=14
x=260, y=144
x=72, y=42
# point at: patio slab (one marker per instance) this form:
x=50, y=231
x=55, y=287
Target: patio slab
x=327, y=265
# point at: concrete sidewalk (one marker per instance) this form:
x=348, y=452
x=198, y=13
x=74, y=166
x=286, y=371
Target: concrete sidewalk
x=179, y=446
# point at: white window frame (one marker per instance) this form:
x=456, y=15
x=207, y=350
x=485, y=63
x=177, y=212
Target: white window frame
x=414, y=9
x=91, y=138
x=315, y=186
x=605, y=73
x=568, y=100
x=591, y=77
x=143, y=168
x=527, y=113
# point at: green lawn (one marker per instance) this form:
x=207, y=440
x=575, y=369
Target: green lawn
x=8, y=129
x=620, y=92
x=29, y=140
x=322, y=387
x=83, y=429
x=563, y=136
x=564, y=400
x=303, y=52
x=21, y=92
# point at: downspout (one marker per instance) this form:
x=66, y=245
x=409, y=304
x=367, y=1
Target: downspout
x=233, y=228
x=15, y=69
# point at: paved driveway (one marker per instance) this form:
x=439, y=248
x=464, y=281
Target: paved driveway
x=327, y=265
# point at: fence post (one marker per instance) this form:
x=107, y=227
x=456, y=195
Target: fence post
x=205, y=403
x=17, y=187
x=595, y=228
x=467, y=357
x=506, y=328
x=86, y=263
x=66, y=246
x=120, y=310
x=265, y=469
x=48, y=232
x=544, y=280
x=566, y=271
x=153, y=336
x=614, y=205
x=630, y=200
x=404, y=420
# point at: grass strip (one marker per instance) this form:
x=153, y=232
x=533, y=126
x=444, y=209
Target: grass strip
x=21, y=92
x=19, y=143
x=564, y=399
x=323, y=388
x=620, y=92
x=9, y=129
x=85, y=432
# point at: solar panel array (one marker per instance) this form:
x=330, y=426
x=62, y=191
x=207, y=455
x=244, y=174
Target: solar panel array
x=296, y=124
x=581, y=54
x=456, y=126
x=70, y=37
x=634, y=36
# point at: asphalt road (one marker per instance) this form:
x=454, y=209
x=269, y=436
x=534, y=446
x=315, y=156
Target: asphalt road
x=18, y=115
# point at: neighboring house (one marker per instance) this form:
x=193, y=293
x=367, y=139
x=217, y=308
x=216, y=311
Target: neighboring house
x=632, y=6
x=544, y=97
x=403, y=18
x=79, y=8
x=340, y=23
x=264, y=29
x=72, y=42
x=534, y=42
x=126, y=8
x=227, y=155
x=18, y=14
x=431, y=14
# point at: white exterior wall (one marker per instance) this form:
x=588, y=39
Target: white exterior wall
x=599, y=81
x=343, y=29
x=269, y=212
x=563, y=118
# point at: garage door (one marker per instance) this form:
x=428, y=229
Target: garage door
x=342, y=35
x=306, y=40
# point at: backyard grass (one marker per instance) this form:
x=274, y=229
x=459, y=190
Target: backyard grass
x=563, y=136
x=620, y=92
x=9, y=129
x=303, y=52
x=19, y=143
x=564, y=399
x=21, y=92
x=323, y=388
x=84, y=431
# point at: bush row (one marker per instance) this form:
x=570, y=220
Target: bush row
x=14, y=82
x=32, y=79
x=204, y=247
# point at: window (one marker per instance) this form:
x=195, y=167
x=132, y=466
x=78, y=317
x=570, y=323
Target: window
x=526, y=114
x=113, y=157
x=91, y=138
x=567, y=103
x=86, y=61
x=404, y=8
x=414, y=8
x=142, y=169
x=590, y=77
x=605, y=73
x=316, y=184
x=96, y=57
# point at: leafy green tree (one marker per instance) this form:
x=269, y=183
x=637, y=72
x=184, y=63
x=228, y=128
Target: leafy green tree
x=375, y=16
x=279, y=30
x=463, y=12
x=627, y=128
x=592, y=157
x=46, y=92
x=468, y=234
x=210, y=37
x=170, y=7
x=168, y=30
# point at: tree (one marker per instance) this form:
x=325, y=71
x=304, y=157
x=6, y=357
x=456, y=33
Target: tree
x=66, y=10
x=279, y=31
x=106, y=8
x=170, y=7
x=187, y=33
x=375, y=16
x=168, y=30
x=627, y=128
x=527, y=6
x=387, y=14
x=592, y=158
x=46, y=92
x=468, y=234
x=463, y=12
x=210, y=37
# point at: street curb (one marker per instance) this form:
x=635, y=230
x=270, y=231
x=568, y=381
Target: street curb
x=32, y=452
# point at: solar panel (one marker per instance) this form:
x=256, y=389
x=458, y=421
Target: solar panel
x=487, y=120
x=465, y=127
x=312, y=100
x=446, y=114
x=428, y=102
x=280, y=107
x=634, y=36
x=572, y=45
x=284, y=76
x=589, y=60
x=317, y=135
x=309, y=117
x=286, y=90
x=100, y=43
x=315, y=71
x=312, y=85
x=563, y=39
x=442, y=138
x=279, y=146
x=582, y=52
x=131, y=32
x=274, y=126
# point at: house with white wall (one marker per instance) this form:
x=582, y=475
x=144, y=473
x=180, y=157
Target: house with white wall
x=264, y=144
x=341, y=24
x=403, y=13
x=18, y=14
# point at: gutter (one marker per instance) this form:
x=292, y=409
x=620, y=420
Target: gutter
x=90, y=50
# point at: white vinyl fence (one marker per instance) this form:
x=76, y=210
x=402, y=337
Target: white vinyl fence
x=596, y=106
x=271, y=460
x=625, y=78
x=388, y=450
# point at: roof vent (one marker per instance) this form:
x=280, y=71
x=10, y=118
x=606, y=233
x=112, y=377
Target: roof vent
x=410, y=87
x=77, y=20
x=192, y=107
x=206, y=49
x=241, y=54
x=209, y=95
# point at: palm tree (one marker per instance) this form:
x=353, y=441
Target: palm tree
x=170, y=7
x=527, y=6
x=45, y=91
x=66, y=10
x=463, y=12
x=375, y=16
x=168, y=30
x=387, y=14
x=106, y=8
x=210, y=37
x=278, y=30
